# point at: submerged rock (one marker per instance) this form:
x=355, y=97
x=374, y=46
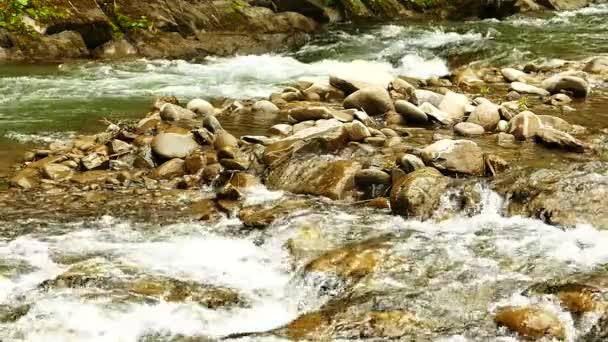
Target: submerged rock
x=468, y=129
x=572, y=84
x=418, y=193
x=531, y=322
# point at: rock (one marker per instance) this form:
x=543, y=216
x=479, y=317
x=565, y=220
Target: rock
x=370, y=177
x=454, y=105
x=460, y=156
x=599, y=332
x=357, y=131
x=560, y=124
x=119, y=147
x=195, y=163
x=170, y=169
x=554, y=138
x=410, y=112
x=315, y=175
x=505, y=139
x=280, y=129
x=435, y=114
x=576, y=298
x=171, y=112
x=204, y=136
x=402, y=87
x=494, y=164
x=468, y=129
x=502, y=126
x=509, y=109
x=418, y=193
x=561, y=197
x=226, y=144
x=26, y=179
x=410, y=163
x=486, y=115
x=211, y=123
x=559, y=100
x=174, y=145
x=94, y=160
x=372, y=100
x=379, y=203
x=243, y=180
x=205, y=210
x=265, y=106
x=524, y=88
x=531, y=322
x=310, y=113
x=525, y=125
x=200, y=107
x=514, y=75
x=365, y=77
x=237, y=164
x=259, y=216
x=423, y=96
x=598, y=65
x=57, y=172
x=115, y=49
x=389, y=132
x=572, y=84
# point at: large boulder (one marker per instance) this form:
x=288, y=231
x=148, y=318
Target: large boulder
x=454, y=156
x=372, y=100
x=486, y=115
x=525, y=125
x=314, y=175
x=418, y=193
x=573, y=84
x=174, y=145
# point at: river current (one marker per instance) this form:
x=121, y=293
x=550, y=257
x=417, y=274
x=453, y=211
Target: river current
x=457, y=271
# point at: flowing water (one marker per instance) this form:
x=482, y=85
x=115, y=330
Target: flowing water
x=455, y=273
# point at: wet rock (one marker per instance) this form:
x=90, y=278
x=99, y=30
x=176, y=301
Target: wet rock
x=205, y=210
x=91, y=177
x=243, y=180
x=559, y=100
x=576, y=298
x=435, y=114
x=349, y=84
x=195, y=163
x=574, y=195
x=494, y=164
x=237, y=164
x=460, y=156
x=505, y=139
x=468, y=129
x=119, y=147
x=26, y=179
x=260, y=216
x=555, y=138
x=525, y=125
x=357, y=131
x=368, y=177
x=486, y=115
x=316, y=175
x=280, y=129
x=203, y=136
x=599, y=332
x=531, y=322
x=502, y=126
x=265, y=106
x=200, y=107
x=560, y=124
x=171, y=112
x=524, y=88
x=211, y=123
x=372, y=100
x=226, y=144
x=174, y=145
x=410, y=163
x=410, y=112
x=94, y=160
x=514, y=75
x=454, y=105
x=310, y=113
x=375, y=141
x=572, y=84
x=170, y=169
x=57, y=172
x=598, y=65
x=418, y=193
x=423, y=96
x=115, y=49
x=509, y=109
x=9, y=314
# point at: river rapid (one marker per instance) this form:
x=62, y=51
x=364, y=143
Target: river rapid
x=452, y=274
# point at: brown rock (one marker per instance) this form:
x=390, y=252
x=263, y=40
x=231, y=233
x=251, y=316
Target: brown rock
x=418, y=193
x=531, y=322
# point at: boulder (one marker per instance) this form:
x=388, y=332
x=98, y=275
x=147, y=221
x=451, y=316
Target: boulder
x=301, y=114
x=56, y=171
x=212, y=124
x=226, y=144
x=514, y=75
x=365, y=77
x=560, y=124
x=372, y=100
x=418, y=193
x=468, y=129
x=410, y=163
x=316, y=175
x=170, y=169
x=559, y=100
x=531, y=322
x=436, y=114
x=94, y=160
x=554, y=138
x=265, y=107
x=572, y=84
x=525, y=125
x=524, y=88
x=280, y=129
x=174, y=145
x=115, y=49
x=172, y=112
x=486, y=115
x=598, y=65
x=410, y=112
x=421, y=96
x=370, y=177
x=26, y=179
x=502, y=126
x=357, y=131
x=454, y=105
x=200, y=107
x=460, y=156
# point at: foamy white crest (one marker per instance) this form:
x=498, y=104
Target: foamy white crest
x=438, y=38
x=40, y=138
x=590, y=10
x=416, y=66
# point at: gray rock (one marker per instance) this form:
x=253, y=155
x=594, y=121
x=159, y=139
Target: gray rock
x=357, y=131
x=502, y=126
x=524, y=88
x=174, y=145
x=171, y=112
x=505, y=139
x=552, y=137
x=485, y=115
x=418, y=194
x=524, y=125
x=372, y=100
x=460, y=156
x=454, y=105
x=410, y=112
x=436, y=114
x=576, y=85
x=94, y=160
x=211, y=123
x=509, y=109
x=559, y=100
x=369, y=177
x=265, y=106
x=468, y=129
x=300, y=126
x=119, y=147
x=422, y=96
x=200, y=107
x=514, y=75
x=598, y=65
x=410, y=163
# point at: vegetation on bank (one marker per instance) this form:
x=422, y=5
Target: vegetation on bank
x=12, y=13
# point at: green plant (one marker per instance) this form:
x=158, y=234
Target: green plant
x=12, y=12
x=484, y=90
x=522, y=103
